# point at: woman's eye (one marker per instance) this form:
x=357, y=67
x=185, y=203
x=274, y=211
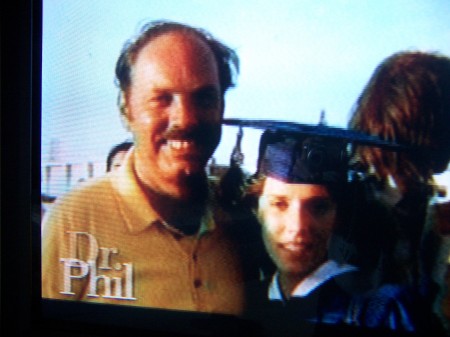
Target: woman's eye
x=322, y=207
x=279, y=204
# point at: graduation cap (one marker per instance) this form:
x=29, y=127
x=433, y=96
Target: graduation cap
x=303, y=153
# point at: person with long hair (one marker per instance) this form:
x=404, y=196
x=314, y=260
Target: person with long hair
x=407, y=100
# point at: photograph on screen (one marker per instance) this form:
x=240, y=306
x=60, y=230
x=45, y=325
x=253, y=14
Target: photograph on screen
x=278, y=167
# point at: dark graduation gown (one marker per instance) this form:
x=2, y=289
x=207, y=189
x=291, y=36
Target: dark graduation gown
x=343, y=305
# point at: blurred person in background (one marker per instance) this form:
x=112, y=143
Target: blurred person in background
x=117, y=155
x=407, y=100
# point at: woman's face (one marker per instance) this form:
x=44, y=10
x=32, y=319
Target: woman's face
x=297, y=220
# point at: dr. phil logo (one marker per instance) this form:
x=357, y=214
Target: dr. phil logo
x=115, y=287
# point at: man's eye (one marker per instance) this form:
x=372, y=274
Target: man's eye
x=161, y=100
x=207, y=99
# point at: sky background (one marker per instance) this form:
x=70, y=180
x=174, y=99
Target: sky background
x=297, y=58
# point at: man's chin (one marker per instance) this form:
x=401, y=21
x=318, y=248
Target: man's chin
x=184, y=167
x=192, y=171
x=191, y=185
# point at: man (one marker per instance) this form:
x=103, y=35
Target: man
x=150, y=234
x=116, y=155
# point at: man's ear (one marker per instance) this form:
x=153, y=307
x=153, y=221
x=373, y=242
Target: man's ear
x=125, y=121
x=124, y=113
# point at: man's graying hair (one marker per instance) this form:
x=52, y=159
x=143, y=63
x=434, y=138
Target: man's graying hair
x=226, y=58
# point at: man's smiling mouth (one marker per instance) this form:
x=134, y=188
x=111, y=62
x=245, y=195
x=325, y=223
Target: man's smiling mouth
x=185, y=149
x=177, y=144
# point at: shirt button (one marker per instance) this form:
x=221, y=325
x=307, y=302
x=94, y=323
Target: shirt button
x=197, y=283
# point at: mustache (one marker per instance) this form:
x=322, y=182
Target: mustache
x=200, y=133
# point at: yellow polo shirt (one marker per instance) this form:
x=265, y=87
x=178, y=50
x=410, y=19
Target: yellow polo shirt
x=103, y=242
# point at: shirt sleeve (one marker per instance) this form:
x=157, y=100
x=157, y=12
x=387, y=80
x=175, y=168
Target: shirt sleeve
x=60, y=269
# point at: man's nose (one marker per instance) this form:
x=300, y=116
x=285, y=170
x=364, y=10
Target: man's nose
x=185, y=114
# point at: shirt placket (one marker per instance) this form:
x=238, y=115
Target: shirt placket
x=191, y=248
x=199, y=282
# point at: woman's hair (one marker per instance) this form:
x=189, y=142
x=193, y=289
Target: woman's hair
x=255, y=185
x=407, y=100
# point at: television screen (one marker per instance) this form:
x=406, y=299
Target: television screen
x=162, y=201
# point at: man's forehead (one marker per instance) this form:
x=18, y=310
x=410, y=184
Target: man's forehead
x=176, y=56
x=173, y=45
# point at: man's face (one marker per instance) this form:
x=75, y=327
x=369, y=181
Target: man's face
x=174, y=109
x=297, y=221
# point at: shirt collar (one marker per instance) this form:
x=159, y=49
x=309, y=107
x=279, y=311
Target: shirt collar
x=322, y=274
x=133, y=204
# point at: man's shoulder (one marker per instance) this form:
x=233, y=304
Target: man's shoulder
x=87, y=189
x=92, y=193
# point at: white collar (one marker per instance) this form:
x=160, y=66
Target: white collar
x=322, y=274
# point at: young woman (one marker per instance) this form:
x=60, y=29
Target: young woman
x=323, y=244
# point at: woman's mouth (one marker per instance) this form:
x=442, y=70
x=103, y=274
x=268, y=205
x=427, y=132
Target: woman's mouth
x=293, y=247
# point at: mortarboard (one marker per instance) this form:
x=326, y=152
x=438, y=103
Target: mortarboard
x=302, y=153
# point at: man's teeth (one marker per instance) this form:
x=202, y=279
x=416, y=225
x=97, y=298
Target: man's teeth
x=179, y=144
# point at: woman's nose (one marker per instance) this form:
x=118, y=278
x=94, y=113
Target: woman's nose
x=294, y=220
